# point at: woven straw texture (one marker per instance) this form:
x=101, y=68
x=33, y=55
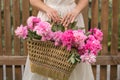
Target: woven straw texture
x=49, y=60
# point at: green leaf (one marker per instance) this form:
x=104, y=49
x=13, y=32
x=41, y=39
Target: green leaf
x=33, y=35
x=57, y=27
x=72, y=25
x=77, y=59
x=72, y=60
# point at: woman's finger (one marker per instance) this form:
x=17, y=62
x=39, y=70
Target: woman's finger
x=72, y=20
x=62, y=21
x=66, y=19
x=69, y=20
x=55, y=16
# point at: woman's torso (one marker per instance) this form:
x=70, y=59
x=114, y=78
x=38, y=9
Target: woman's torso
x=62, y=7
x=59, y=2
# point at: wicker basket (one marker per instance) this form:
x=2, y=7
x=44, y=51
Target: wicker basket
x=49, y=60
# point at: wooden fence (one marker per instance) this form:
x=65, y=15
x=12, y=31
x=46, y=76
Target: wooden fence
x=13, y=50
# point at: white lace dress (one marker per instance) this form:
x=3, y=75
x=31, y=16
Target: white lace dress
x=82, y=71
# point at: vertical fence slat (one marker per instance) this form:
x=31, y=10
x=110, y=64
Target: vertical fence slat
x=7, y=35
x=104, y=27
x=9, y=72
x=85, y=15
x=25, y=15
x=94, y=22
x=115, y=21
x=0, y=30
x=25, y=11
x=113, y=72
x=18, y=75
x=1, y=72
x=94, y=70
x=16, y=23
x=18, y=72
x=103, y=72
x=34, y=11
x=119, y=28
x=16, y=20
x=7, y=28
x=1, y=68
x=114, y=36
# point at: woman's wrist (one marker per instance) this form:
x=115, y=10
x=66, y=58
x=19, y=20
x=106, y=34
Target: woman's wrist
x=76, y=11
x=45, y=8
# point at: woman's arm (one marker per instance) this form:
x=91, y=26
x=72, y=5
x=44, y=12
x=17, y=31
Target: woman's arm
x=39, y=4
x=51, y=13
x=81, y=5
x=70, y=17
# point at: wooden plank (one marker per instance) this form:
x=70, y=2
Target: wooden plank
x=105, y=60
x=94, y=21
x=18, y=75
x=7, y=28
x=1, y=72
x=113, y=72
x=25, y=15
x=25, y=11
x=16, y=23
x=114, y=36
x=34, y=11
x=103, y=72
x=9, y=72
x=115, y=25
x=1, y=51
x=12, y=60
x=20, y=60
x=94, y=67
x=17, y=44
x=104, y=26
x=85, y=16
x=7, y=35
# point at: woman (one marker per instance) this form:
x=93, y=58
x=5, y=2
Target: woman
x=65, y=12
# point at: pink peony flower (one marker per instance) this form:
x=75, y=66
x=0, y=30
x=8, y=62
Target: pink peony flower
x=88, y=58
x=57, y=37
x=21, y=32
x=97, y=34
x=82, y=50
x=44, y=29
x=67, y=39
x=93, y=45
x=79, y=38
x=31, y=21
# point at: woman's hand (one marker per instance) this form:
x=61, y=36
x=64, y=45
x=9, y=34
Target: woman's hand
x=53, y=14
x=70, y=17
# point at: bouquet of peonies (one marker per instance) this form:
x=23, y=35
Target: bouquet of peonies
x=87, y=44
